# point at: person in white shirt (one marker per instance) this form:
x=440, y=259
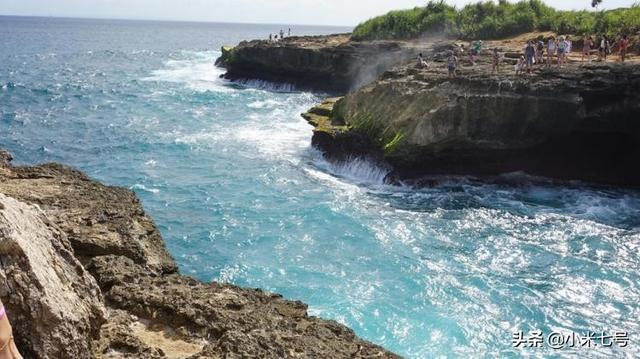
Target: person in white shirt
x=551, y=50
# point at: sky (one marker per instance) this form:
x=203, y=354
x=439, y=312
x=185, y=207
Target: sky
x=312, y=12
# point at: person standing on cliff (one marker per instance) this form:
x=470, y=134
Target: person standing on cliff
x=586, y=48
x=624, y=46
x=540, y=53
x=497, y=59
x=452, y=64
x=8, y=349
x=604, y=48
x=529, y=54
x=520, y=65
x=563, y=48
x=421, y=64
x=475, y=50
x=281, y=34
x=289, y=33
x=551, y=50
x=270, y=37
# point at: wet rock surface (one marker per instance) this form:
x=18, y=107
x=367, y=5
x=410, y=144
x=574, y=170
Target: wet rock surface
x=85, y=273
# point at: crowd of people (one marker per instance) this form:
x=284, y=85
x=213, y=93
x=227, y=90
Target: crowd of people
x=274, y=37
x=540, y=52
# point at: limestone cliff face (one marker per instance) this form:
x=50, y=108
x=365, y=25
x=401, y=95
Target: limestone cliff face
x=579, y=122
x=44, y=287
x=328, y=63
x=84, y=273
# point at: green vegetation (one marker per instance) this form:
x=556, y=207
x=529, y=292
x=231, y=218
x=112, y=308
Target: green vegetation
x=490, y=20
x=392, y=146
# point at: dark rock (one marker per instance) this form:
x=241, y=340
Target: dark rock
x=579, y=122
x=5, y=158
x=329, y=63
x=236, y=322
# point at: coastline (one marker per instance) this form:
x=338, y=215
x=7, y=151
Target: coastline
x=113, y=289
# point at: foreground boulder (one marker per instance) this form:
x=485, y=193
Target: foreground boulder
x=331, y=63
x=84, y=273
x=97, y=219
x=50, y=297
x=574, y=123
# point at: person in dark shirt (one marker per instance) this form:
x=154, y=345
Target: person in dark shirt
x=529, y=55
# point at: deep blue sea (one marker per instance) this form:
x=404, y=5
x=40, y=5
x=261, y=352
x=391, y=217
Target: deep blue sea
x=227, y=172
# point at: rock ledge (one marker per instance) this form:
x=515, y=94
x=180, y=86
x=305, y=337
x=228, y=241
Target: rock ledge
x=84, y=273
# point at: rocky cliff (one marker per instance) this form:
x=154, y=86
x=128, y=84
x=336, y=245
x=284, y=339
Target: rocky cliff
x=329, y=63
x=84, y=273
x=579, y=122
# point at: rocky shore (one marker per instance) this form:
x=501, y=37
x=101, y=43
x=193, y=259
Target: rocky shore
x=331, y=63
x=579, y=122
x=85, y=274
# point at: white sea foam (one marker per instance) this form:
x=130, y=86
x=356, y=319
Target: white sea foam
x=361, y=171
x=357, y=170
x=263, y=104
x=266, y=85
x=142, y=187
x=197, y=71
x=273, y=134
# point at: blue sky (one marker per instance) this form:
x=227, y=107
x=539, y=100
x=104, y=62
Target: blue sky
x=321, y=12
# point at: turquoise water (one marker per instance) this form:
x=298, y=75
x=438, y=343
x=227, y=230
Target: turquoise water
x=229, y=176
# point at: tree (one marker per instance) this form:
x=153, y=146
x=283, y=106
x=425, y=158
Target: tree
x=595, y=3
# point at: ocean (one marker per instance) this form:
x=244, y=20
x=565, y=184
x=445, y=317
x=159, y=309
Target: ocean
x=228, y=174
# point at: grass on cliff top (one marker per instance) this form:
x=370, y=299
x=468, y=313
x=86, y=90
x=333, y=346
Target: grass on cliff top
x=490, y=20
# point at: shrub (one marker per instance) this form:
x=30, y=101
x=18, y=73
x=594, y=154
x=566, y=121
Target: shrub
x=487, y=20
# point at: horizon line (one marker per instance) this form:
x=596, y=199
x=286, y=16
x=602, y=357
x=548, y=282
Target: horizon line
x=169, y=20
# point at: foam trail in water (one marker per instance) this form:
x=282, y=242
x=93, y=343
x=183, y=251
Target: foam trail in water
x=142, y=187
x=266, y=85
x=197, y=71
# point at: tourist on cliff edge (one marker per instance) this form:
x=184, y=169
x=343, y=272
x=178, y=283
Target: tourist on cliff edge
x=540, y=52
x=421, y=64
x=497, y=59
x=552, y=45
x=605, y=48
x=624, y=46
x=520, y=65
x=586, y=48
x=563, y=51
x=8, y=349
x=452, y=64
x=529, y=54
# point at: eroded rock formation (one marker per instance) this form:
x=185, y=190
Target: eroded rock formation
x=49, y=295
x=329, y=63
x=574, y=123
x=85, y=273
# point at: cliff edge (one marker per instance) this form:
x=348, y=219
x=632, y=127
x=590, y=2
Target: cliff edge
x=578, y=122
x=84, y=273
x=330, y=63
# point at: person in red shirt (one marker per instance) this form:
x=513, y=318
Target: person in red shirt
x=624, y=46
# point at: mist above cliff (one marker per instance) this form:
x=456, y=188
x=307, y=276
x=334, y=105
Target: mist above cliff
x=376, y=64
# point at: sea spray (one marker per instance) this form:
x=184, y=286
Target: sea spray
x=265, y=85
x=440, y=271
